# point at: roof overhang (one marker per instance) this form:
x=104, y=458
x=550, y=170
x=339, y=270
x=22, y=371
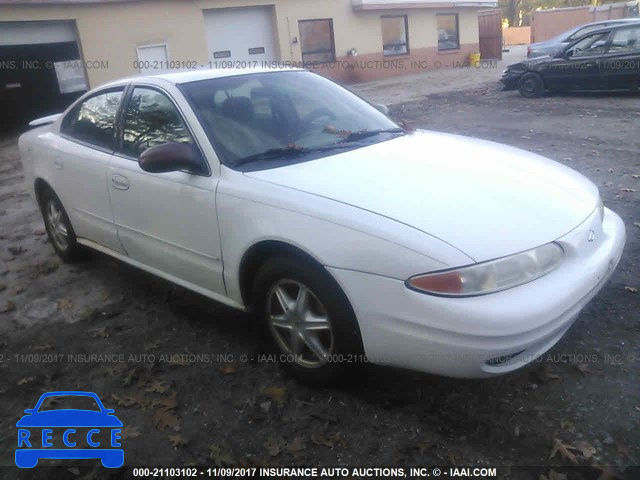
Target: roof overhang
x=406, y=4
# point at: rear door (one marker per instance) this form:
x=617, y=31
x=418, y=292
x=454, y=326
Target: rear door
x=81, y=156
x=620, y=66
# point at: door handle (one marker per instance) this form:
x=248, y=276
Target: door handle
x=120, y=182
x=58, y=164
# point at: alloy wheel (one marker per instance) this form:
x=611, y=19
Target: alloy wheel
x=300, y=323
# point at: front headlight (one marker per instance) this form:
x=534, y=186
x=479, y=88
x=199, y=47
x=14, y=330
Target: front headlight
x=492, y=276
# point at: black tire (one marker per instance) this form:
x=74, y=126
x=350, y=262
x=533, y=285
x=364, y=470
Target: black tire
x=341, y=342
x=531, y=85
x=60, y=232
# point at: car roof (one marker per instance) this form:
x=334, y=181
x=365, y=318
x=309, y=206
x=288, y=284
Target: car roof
x=189, y=76
x=616, y=20
x=608, y=28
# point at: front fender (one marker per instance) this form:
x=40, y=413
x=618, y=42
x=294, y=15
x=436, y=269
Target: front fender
x=334, y=234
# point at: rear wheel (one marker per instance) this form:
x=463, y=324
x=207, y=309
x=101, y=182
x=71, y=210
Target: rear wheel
x=58, y=226
x=531, y=85
x=307, y=320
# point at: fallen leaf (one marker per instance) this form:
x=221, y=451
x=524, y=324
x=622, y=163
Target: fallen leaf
x=637, y=224
x=563, y=450
x=635, y=176
x=228, y=370
x=627, y=190
x=129, y=377
x=168, y=403
x=321, y=440
x=39, y=232
x=151, y=346
x=25, y=380
x=585, y=369
x=177, y=440
x=157, y=386
x=586, y=449
x=65, y=304
x=631, y=289
x=296, y=445
x=606, y=473
x=164, y=418
x=9, y=306
x=274, y=446
x=221, y=455
x=276, y=394
x=100, y=332
x=130, y=432
x=41, y=348
x=623, y=449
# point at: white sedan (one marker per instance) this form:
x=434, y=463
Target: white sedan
x=351, y=238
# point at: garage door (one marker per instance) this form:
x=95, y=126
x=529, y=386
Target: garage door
x=42, y=71
x=238, y=34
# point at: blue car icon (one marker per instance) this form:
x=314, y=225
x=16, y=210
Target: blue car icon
x=45, y=424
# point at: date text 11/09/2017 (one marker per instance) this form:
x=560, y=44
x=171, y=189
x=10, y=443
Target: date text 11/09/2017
x=316, y=472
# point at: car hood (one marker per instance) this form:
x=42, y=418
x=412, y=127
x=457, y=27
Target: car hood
x=486, y=199
x=69, y=418
x=530, y=63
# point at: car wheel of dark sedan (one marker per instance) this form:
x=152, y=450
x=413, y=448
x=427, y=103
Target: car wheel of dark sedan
x=59, y=229
x=307, y=320
x=531, y=85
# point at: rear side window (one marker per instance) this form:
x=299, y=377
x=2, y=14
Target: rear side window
x=626, y=40
x=93, y=121
x=152, y=119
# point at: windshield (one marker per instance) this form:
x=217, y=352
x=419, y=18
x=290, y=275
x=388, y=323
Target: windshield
x=272, y=119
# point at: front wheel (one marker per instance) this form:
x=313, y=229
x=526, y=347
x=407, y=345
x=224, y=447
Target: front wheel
x=531, y=85
x=307, y=320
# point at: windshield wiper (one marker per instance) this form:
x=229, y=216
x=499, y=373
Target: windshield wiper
x=287, y=152
x=355, y=136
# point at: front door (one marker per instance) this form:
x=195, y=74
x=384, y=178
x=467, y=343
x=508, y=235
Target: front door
x=579, y=66
x=166, y=221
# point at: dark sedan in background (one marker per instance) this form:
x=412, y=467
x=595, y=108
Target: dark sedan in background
x=555, y=45
x=606, y=59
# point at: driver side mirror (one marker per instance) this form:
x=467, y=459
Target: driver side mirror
x=568, y=53
x=171, y=157
x=29, y=411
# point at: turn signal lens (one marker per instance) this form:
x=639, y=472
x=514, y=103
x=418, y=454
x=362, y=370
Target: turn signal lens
x=492, y=276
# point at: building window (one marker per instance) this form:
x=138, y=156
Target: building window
x=395, y=35
x=316, y=39
x=448, y=37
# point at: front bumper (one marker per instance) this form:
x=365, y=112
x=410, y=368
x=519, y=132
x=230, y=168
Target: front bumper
x=510, y=80
x=486, y=335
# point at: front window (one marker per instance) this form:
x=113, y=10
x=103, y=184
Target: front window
x=394, y=35
x=591, y=45
x=151, y=119
x=278, y=118
x=316, y=40
x=448, y=37
x=584, y=30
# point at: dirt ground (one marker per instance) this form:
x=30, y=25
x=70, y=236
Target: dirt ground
x=185, y=379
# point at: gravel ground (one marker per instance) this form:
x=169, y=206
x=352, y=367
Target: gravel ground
x=180, y=406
